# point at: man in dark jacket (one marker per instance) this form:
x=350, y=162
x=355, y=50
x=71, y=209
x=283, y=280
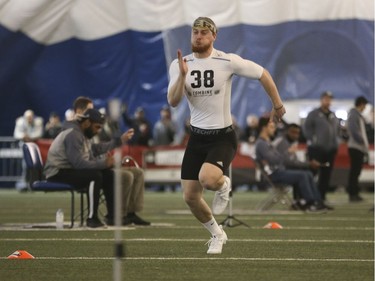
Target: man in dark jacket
x=357, y=146
x=322, y=130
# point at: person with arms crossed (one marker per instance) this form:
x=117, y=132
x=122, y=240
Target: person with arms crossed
x=205, y=77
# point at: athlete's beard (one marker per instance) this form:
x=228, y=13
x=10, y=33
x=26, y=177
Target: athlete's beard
x=200, y=49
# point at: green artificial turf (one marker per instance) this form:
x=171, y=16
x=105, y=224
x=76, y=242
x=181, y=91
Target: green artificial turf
x=338, y=245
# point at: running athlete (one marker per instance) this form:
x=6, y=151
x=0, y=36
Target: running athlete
x=205, y=78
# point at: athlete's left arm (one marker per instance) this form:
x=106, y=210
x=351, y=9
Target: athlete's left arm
x=253, y=70
x=271, y=89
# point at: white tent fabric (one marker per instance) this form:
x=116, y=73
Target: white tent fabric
x=51, y=51
x=53, y=21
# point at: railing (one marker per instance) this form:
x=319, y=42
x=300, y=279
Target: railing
x=162, y=163
x=10, y=160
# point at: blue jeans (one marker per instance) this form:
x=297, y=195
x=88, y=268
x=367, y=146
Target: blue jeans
x=303, y=180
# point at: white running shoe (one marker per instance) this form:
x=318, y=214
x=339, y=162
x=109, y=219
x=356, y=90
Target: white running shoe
x=221, y=198
x=215, y=244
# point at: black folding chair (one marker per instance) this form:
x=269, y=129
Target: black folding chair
x=34, y=164
x=278, y=192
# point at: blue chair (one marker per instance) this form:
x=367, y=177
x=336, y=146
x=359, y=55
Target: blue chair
x=34, y=164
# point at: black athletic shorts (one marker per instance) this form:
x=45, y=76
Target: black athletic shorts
x=217, y=147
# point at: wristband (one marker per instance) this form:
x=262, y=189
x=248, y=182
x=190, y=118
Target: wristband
x=280, y=107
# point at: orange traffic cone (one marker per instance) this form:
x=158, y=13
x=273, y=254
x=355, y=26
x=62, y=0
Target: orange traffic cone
x=21, y=254
x=273, y=225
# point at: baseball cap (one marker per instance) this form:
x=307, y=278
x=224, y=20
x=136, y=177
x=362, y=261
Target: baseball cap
x=93, y=115
x=326, y=94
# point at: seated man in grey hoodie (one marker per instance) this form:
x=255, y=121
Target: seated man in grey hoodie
x=303, y=181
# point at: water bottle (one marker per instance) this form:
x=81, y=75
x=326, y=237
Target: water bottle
x=59, y=219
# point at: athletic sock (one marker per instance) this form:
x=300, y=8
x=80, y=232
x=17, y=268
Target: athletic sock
x=213, y=227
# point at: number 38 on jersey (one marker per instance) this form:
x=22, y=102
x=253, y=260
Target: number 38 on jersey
x=206, y=77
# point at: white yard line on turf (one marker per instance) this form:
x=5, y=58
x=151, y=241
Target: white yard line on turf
x=185, y=240
x=18, y=228
x=207, y=258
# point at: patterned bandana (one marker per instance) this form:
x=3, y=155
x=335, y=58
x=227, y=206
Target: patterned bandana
x=205, y=23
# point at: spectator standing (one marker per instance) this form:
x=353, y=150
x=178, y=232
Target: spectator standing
x=165, y=128
x=251, y=129
x=358, y=146
x=370, y=119
x=141, y=126
x=28, y=127
x=53, y=127
x=164, y=134
x=237, y=129
x=110, y=128
x=322, y=131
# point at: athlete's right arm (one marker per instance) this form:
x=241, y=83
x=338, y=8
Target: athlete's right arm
x=176, y=87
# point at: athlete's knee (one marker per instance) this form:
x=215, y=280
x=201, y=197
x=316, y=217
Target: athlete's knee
x=210, y=177
x=210, y=182
x=191, y=198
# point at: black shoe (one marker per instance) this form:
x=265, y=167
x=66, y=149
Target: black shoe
x=94, y=223
x=133, y=218
x=295, y=206
x=302, y=205
x=316, y=208
x=126, y=221
x=355, y=198
x=109, y=221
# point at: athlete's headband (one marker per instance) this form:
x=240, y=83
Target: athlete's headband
x=205, y=23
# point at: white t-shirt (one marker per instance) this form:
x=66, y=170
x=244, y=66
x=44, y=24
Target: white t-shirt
x=208, y=86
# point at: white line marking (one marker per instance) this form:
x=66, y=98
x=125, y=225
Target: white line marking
x=208, y=258
x=185, y=240
x=21, y=228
